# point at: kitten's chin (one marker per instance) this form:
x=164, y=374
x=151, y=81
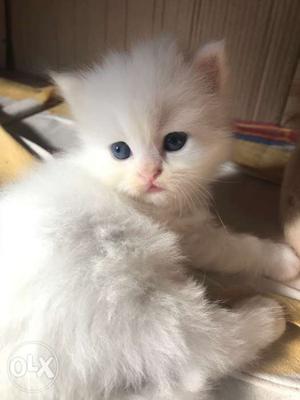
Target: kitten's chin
x=156, y=196
x=163, y=200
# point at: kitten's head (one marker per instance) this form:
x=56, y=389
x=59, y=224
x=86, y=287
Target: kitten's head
x=153, y=124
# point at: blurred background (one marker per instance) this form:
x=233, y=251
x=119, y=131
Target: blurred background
x=262, y=37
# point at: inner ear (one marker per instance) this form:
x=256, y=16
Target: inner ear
x=210, y=62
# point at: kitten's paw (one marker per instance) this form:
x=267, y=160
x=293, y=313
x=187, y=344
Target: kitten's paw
x=284, y=264
x=267, y=318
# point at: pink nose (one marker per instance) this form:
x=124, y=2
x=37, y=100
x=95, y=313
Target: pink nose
x=150, y=176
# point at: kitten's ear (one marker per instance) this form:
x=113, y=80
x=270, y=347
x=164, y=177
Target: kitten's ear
x=211, y=64
x=70, y=87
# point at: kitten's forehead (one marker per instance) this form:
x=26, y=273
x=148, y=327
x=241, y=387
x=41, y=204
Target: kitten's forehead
x=140, y=91
x=140, y=96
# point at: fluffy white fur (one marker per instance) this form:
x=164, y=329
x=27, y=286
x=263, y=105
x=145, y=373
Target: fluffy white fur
x=92, y=264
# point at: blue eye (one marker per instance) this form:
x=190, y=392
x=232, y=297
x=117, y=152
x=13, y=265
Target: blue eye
x=175, y=141
x=120, y=150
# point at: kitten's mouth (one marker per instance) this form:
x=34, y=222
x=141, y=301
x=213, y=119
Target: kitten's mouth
x=154, y=189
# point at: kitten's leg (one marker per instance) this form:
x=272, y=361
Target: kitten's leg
x=242, y=333
x=260, y=322
x=215, y=248
x=237, y=337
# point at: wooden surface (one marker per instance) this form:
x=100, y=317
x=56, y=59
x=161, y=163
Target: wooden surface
x=14, y=159
x=263, y=38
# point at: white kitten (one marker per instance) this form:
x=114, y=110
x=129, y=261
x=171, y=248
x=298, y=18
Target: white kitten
x=92, y=246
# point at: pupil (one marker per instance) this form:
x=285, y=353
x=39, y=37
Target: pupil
x=175, y=141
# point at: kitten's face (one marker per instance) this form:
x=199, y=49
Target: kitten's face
x=153, y=125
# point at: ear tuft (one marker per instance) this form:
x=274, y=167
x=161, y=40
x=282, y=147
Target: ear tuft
x=70, y=87
x=68, y=83
x=210, y=61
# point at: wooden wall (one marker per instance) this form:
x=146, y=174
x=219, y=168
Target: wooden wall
x=291, y=115
x=263, y=38
x=2, y=35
